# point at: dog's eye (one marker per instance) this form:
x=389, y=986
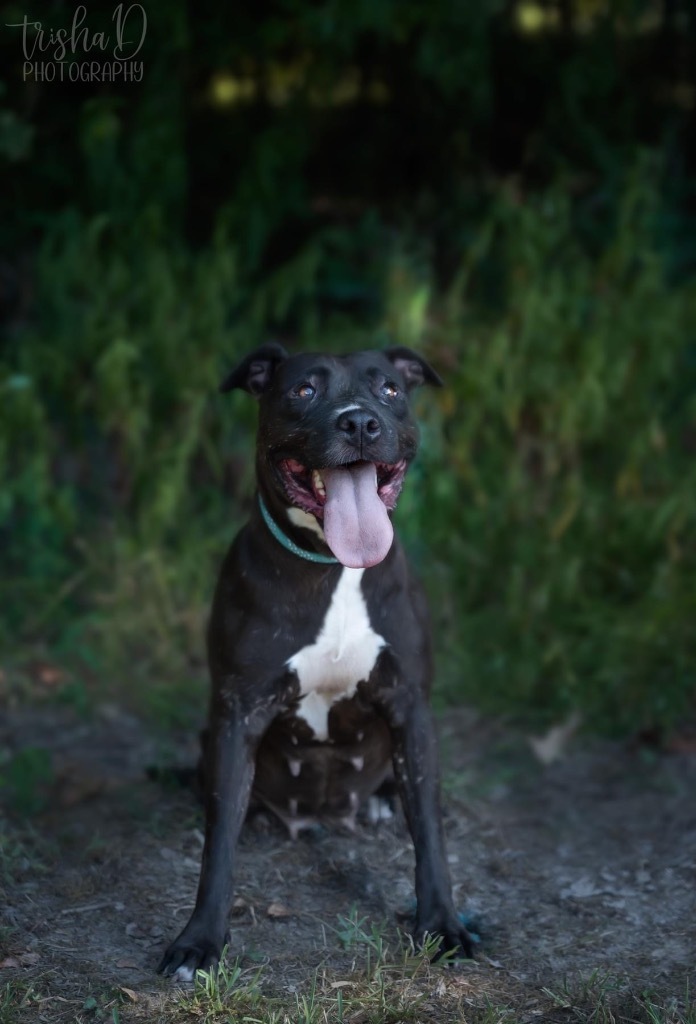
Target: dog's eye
x=305, y=390
x=389, y=390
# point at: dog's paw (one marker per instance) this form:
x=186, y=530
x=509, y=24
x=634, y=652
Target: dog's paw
x=456, y=942
x=189, y=953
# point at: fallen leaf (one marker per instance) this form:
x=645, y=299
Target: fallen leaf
x=76, y=782
x=48, y=675
x=124, y=962
x=133, y=996
x=682, y=742
x=440, y=989
x=494, y=963
x=26, y=959
x=74, y=793
x=552, y=745
x=239, y=905
x=278, y=910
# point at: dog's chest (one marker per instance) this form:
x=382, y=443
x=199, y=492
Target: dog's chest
x=343, y=654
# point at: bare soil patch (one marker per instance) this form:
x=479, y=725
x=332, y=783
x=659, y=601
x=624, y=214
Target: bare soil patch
x=581, y=870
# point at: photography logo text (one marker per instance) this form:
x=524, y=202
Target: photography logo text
x=79, y=53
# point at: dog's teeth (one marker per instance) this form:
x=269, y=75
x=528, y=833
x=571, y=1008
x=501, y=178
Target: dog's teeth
x=318, y=483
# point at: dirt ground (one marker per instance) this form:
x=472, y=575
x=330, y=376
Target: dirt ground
x=582, y=869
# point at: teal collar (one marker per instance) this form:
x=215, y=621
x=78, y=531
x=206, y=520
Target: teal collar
x=290, y=545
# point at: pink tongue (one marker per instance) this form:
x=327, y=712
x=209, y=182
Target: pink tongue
x=357, y=527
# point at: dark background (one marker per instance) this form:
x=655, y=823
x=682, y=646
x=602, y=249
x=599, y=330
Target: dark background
x=510, y=187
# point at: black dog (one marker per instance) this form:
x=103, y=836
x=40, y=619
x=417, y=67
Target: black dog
x=319, y=646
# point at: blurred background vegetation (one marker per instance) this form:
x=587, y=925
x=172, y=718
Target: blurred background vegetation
x=508, y=186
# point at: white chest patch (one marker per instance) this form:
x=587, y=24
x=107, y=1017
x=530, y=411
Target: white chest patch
x=343, y=654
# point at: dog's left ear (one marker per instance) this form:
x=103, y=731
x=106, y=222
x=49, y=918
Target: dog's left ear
x=413, y=367
x=255, y=373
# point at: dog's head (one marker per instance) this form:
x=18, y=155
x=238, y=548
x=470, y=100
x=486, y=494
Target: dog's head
x=336, y=436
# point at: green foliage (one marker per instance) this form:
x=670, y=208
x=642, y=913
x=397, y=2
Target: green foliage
x=23, y=852
x=15, y=134
x=26, y=778
x=552, y=511
x=562, y=514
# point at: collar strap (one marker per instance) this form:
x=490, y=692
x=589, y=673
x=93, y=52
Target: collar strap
x=290, y=545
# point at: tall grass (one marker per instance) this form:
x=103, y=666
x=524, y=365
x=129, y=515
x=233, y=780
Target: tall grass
x=552, y=511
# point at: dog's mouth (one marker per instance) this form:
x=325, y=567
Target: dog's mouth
x=351, y=502
x=306, y=488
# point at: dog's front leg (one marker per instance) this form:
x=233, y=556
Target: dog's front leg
x=229, y=777
x=414, y=751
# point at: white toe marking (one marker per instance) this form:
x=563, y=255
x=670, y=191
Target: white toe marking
x=378, y=810
x=183, y=973
x=294, y=766
x=297, y=825
x=292, y=804
x=358, y=763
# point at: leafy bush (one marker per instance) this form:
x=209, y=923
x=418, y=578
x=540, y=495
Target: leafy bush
x=559, y=492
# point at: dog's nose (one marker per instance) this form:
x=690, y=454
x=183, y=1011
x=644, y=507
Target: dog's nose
x=359, y=427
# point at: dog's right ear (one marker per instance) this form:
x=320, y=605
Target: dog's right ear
x=255, y=373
